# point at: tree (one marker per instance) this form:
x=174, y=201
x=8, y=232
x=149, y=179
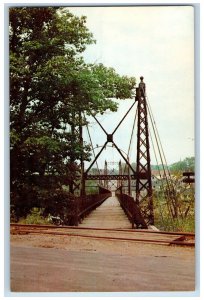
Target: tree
x=50, y=88
x=186, y=165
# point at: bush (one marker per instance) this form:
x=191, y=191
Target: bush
x=35, y=217
x=44, y=207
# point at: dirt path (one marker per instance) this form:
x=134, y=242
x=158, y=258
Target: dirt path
x=67, y=264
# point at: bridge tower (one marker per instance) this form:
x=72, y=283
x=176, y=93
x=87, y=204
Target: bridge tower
x=143, y=169
x=142, y=173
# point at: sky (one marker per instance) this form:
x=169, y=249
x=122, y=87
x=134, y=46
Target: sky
x=157, y=43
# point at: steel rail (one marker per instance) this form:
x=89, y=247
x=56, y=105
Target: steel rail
x=180, y=240
x=105, y=229
x=173, y=242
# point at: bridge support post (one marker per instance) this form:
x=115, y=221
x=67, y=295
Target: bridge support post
x=82, y=185
x=106, y=173
x=129, y=179
x=77, y=186
x=144, y=182
x=120, y=184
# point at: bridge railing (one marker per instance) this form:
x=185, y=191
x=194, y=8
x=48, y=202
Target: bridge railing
x=85, y=204
x=131, y=209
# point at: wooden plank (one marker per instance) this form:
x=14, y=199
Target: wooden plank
x=108, y=215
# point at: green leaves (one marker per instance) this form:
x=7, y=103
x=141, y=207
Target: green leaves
x=50, y=88
x=113, y=85
x=44, y=142
x=186, y=165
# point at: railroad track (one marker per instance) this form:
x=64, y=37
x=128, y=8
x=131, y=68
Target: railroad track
x=132, y=235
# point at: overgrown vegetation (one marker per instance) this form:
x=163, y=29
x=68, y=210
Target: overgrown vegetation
x=165, y=221
x=36, y=217
x=175, y=211
x=186, y=165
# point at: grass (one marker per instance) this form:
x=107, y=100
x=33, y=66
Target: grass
x=35, y=217
x=164, y=221
x=177, y=225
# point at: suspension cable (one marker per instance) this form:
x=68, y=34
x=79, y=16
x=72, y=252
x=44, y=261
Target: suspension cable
x=131, y=138
x=162, y=157
x=162, y=150
x=160, y=154
x=157, y=163
x=162, y=184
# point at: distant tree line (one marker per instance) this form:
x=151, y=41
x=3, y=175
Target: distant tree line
x=185, y=165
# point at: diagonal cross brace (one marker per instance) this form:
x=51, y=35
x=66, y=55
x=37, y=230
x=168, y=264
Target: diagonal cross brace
x=110, y=139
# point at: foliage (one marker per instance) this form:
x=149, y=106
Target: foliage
x=35, y=217
x=50, y=89
x=183, y=203
x=61, y=205
x=158, y=167
x=175, y=201
x=92, y=187
x=176, y=225
x=186, y=165
x=50, y=204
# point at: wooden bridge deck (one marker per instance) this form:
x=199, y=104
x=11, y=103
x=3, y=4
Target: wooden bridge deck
x=108, y=215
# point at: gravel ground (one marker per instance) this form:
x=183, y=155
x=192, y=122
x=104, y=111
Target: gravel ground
x=47, y=263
